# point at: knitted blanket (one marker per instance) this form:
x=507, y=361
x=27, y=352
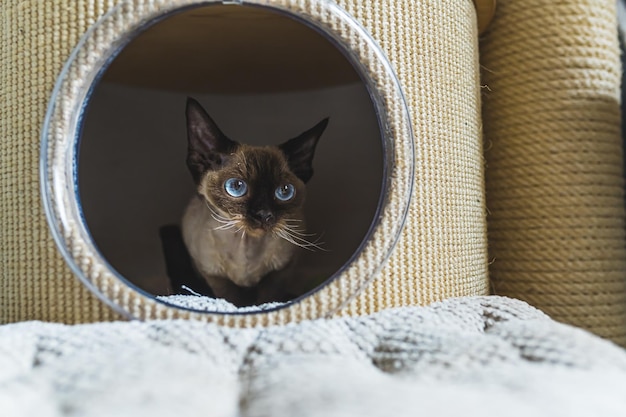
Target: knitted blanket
x=482, y=356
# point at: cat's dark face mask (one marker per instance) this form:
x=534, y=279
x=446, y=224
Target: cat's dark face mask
x=256, y=189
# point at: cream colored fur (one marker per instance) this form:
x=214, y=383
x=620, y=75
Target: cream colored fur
x=219, y=254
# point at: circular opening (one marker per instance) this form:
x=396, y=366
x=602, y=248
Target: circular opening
x=89, y=73
x=263, y=78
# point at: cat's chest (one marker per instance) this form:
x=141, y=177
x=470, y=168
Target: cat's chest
x=245, y=260
x=244, y=251
x=241, y=258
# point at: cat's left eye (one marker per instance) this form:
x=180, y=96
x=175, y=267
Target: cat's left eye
x=285, y=192
x=235, y=187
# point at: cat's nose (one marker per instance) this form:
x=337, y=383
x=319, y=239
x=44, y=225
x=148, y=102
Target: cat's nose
x=265, y=217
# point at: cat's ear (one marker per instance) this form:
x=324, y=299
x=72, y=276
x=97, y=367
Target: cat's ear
x=300, y=150
x=206, y=144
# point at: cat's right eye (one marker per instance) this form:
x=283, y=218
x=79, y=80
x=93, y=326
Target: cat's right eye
x=285, y=192
x=235, y=187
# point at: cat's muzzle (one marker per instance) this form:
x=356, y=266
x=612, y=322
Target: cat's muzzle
x=263, y=219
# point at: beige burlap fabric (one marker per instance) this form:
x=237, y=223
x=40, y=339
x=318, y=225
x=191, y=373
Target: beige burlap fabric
x=442, y=252
x=554, y=177
x=432, y=47
x=36, y=38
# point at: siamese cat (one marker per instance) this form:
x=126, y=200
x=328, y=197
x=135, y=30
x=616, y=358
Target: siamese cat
x=245, y=223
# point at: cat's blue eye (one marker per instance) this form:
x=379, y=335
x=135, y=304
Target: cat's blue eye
x=236, y=187
x=285, y=192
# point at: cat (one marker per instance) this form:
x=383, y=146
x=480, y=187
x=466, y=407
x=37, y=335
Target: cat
x=246, y=221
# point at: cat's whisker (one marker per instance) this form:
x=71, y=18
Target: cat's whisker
x=290, y=240
x=293, y=223
x=226, y=223
x=242, y=230
x=295, y=230
x=222, y=219
x=315, y=242
x=226, y=226
x=298, y=232
x=215, y=214
x=218, y=216
x=299, y=241
x=305, y=245
x=217, y=219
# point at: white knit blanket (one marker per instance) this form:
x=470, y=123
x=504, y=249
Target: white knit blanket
x=485, y=356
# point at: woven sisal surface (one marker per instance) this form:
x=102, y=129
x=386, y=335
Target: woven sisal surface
x=35, y=40
x=554, y=176
x=442, y=251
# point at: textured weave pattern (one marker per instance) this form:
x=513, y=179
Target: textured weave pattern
x=35, y=40
x=478, y=357
x=554, y=177
x=59, y=148
x=442, y=251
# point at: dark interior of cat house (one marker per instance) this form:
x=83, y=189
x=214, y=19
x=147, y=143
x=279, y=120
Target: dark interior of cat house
x=264, y=77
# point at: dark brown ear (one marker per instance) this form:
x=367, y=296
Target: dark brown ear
x=207, y=146
x=300, y=150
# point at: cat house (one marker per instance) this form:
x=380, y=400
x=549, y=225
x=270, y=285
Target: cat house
x=398, y=192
